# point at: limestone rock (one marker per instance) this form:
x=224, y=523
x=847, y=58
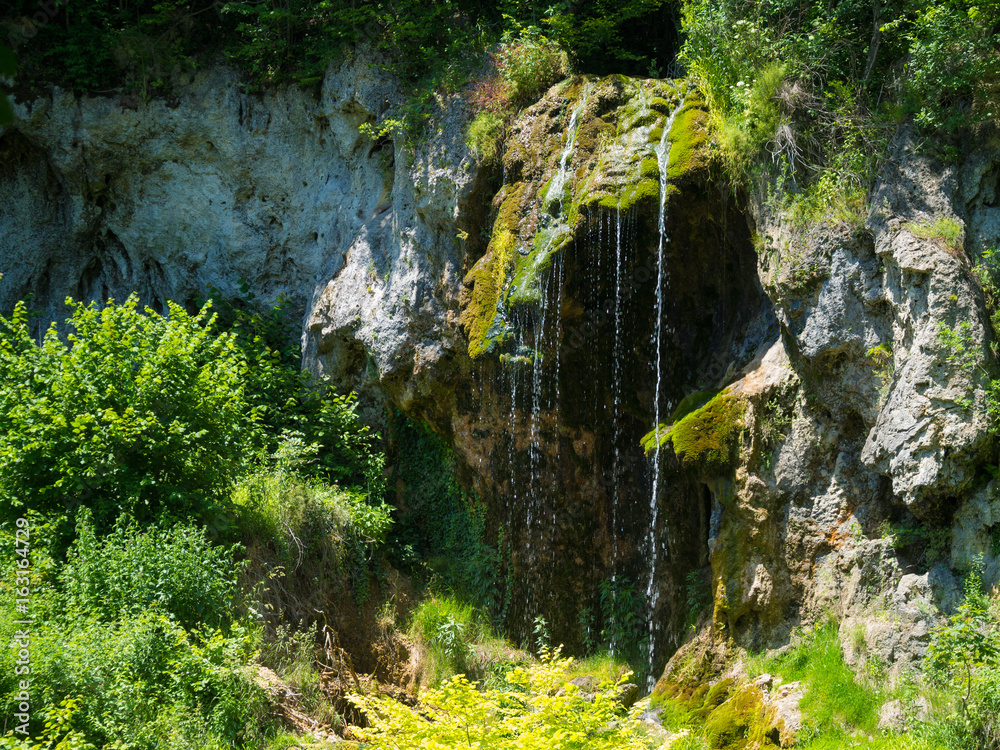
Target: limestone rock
x=897, y=716
x=785, y=702
x=932, y=427
x=972, y=529
x=280, y=195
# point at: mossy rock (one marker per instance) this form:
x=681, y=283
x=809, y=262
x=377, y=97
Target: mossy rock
x=483, y=317
x=612, y=167
x=705, y=702
x=742, y=722
x=704, y=434
x=689, y=140
x=693, y=402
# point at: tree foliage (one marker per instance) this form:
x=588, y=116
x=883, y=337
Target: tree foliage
x=132, y=411
x=809, y=93
x=140, y=45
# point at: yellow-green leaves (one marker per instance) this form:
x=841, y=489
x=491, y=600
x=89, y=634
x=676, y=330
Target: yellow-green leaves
x=539, y=710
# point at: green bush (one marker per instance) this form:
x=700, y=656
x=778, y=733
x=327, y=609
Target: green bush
x=446, y=627
x=174, y=571
x=311, y=528
x=538, y=710
x=133, y=412
x=968, y=642
x=529, y=63
x=143, y=681
x=8, y=67
x=290, y=403
x=622, y=628
x=953, y=50
x=807, y=95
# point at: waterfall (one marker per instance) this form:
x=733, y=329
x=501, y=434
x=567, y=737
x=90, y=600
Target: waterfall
x=546, y=334
x=557, y=187
x=562, y=289
x=662, y=151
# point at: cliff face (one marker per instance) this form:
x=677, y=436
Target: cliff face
x=275, y=195
x=876, y=495
x=613, y=284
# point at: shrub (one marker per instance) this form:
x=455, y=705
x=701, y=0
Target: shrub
x=175, y=571
x=440, y=524
x=966, y=643
x=134, y=412
x=142, y=681
x=622, y=629
x=446, y=627
x=304, y=518
x=529, y=63
x=290, y=402
x=59, y=731
x=539, y=710
x=8, y=67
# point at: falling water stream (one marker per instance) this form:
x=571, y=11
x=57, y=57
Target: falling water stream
x=543, y=341
x=652, y=593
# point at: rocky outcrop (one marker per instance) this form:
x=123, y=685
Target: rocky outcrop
x=543, y=325
x=877, y=481
x=272, y=195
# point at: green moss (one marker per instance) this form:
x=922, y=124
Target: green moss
x=483, y=317
x=704, y=434
x=635, y=193
x=650, y=168
x=743, y=721
x=688, y=140
x=648, y=441
x=530, y=271
x=704, y=702
x=614, y=170
x=662, y=105
x=693, y=401
x=709, y=432
x=480, y=314
x=631, y=196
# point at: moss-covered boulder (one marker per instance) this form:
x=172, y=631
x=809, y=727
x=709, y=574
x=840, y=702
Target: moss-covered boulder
x=588, y=145
x=707, y=434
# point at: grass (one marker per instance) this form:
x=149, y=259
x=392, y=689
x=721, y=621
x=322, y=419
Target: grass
x=485, y=136
x=453, y=638
x=945, y=231
x=602, y=667
x=839, y=710
x=833, y=697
